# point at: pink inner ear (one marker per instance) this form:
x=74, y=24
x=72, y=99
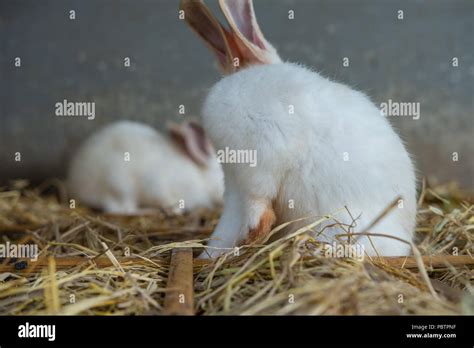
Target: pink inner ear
x=256, y=40
x=200, y=138
x=242, y=14
x=204, y=23
x=192, y=140
x=222, y=58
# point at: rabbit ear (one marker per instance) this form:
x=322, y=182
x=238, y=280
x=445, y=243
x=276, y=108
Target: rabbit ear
x=198, y=16
x=191, y=138
x=252, y=45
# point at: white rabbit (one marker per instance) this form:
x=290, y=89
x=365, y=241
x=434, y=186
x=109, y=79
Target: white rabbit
x=127, y=166
x=320, y=145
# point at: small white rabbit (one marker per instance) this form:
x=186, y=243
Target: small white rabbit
x=127, y=166
x=320, y=145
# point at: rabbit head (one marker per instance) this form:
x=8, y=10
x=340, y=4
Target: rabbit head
x=192, y=141
x=235, y=48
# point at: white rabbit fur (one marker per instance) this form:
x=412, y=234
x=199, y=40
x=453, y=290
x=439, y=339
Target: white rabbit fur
x=158, y=174
x=301, y=156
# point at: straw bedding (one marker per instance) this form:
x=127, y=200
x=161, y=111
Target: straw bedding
x=284, y=277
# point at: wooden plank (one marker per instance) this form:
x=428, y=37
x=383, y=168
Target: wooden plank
x=179, y=299
x=66, y=262
x=439, y=261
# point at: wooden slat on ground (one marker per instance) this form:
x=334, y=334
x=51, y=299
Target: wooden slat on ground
x=430, y=262
x=179, y=299
x=439, y=261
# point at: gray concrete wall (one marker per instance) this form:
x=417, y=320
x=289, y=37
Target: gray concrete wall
x=405, y=60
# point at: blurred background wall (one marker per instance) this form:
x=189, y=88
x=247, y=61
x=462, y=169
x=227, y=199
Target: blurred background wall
x=407, y=60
